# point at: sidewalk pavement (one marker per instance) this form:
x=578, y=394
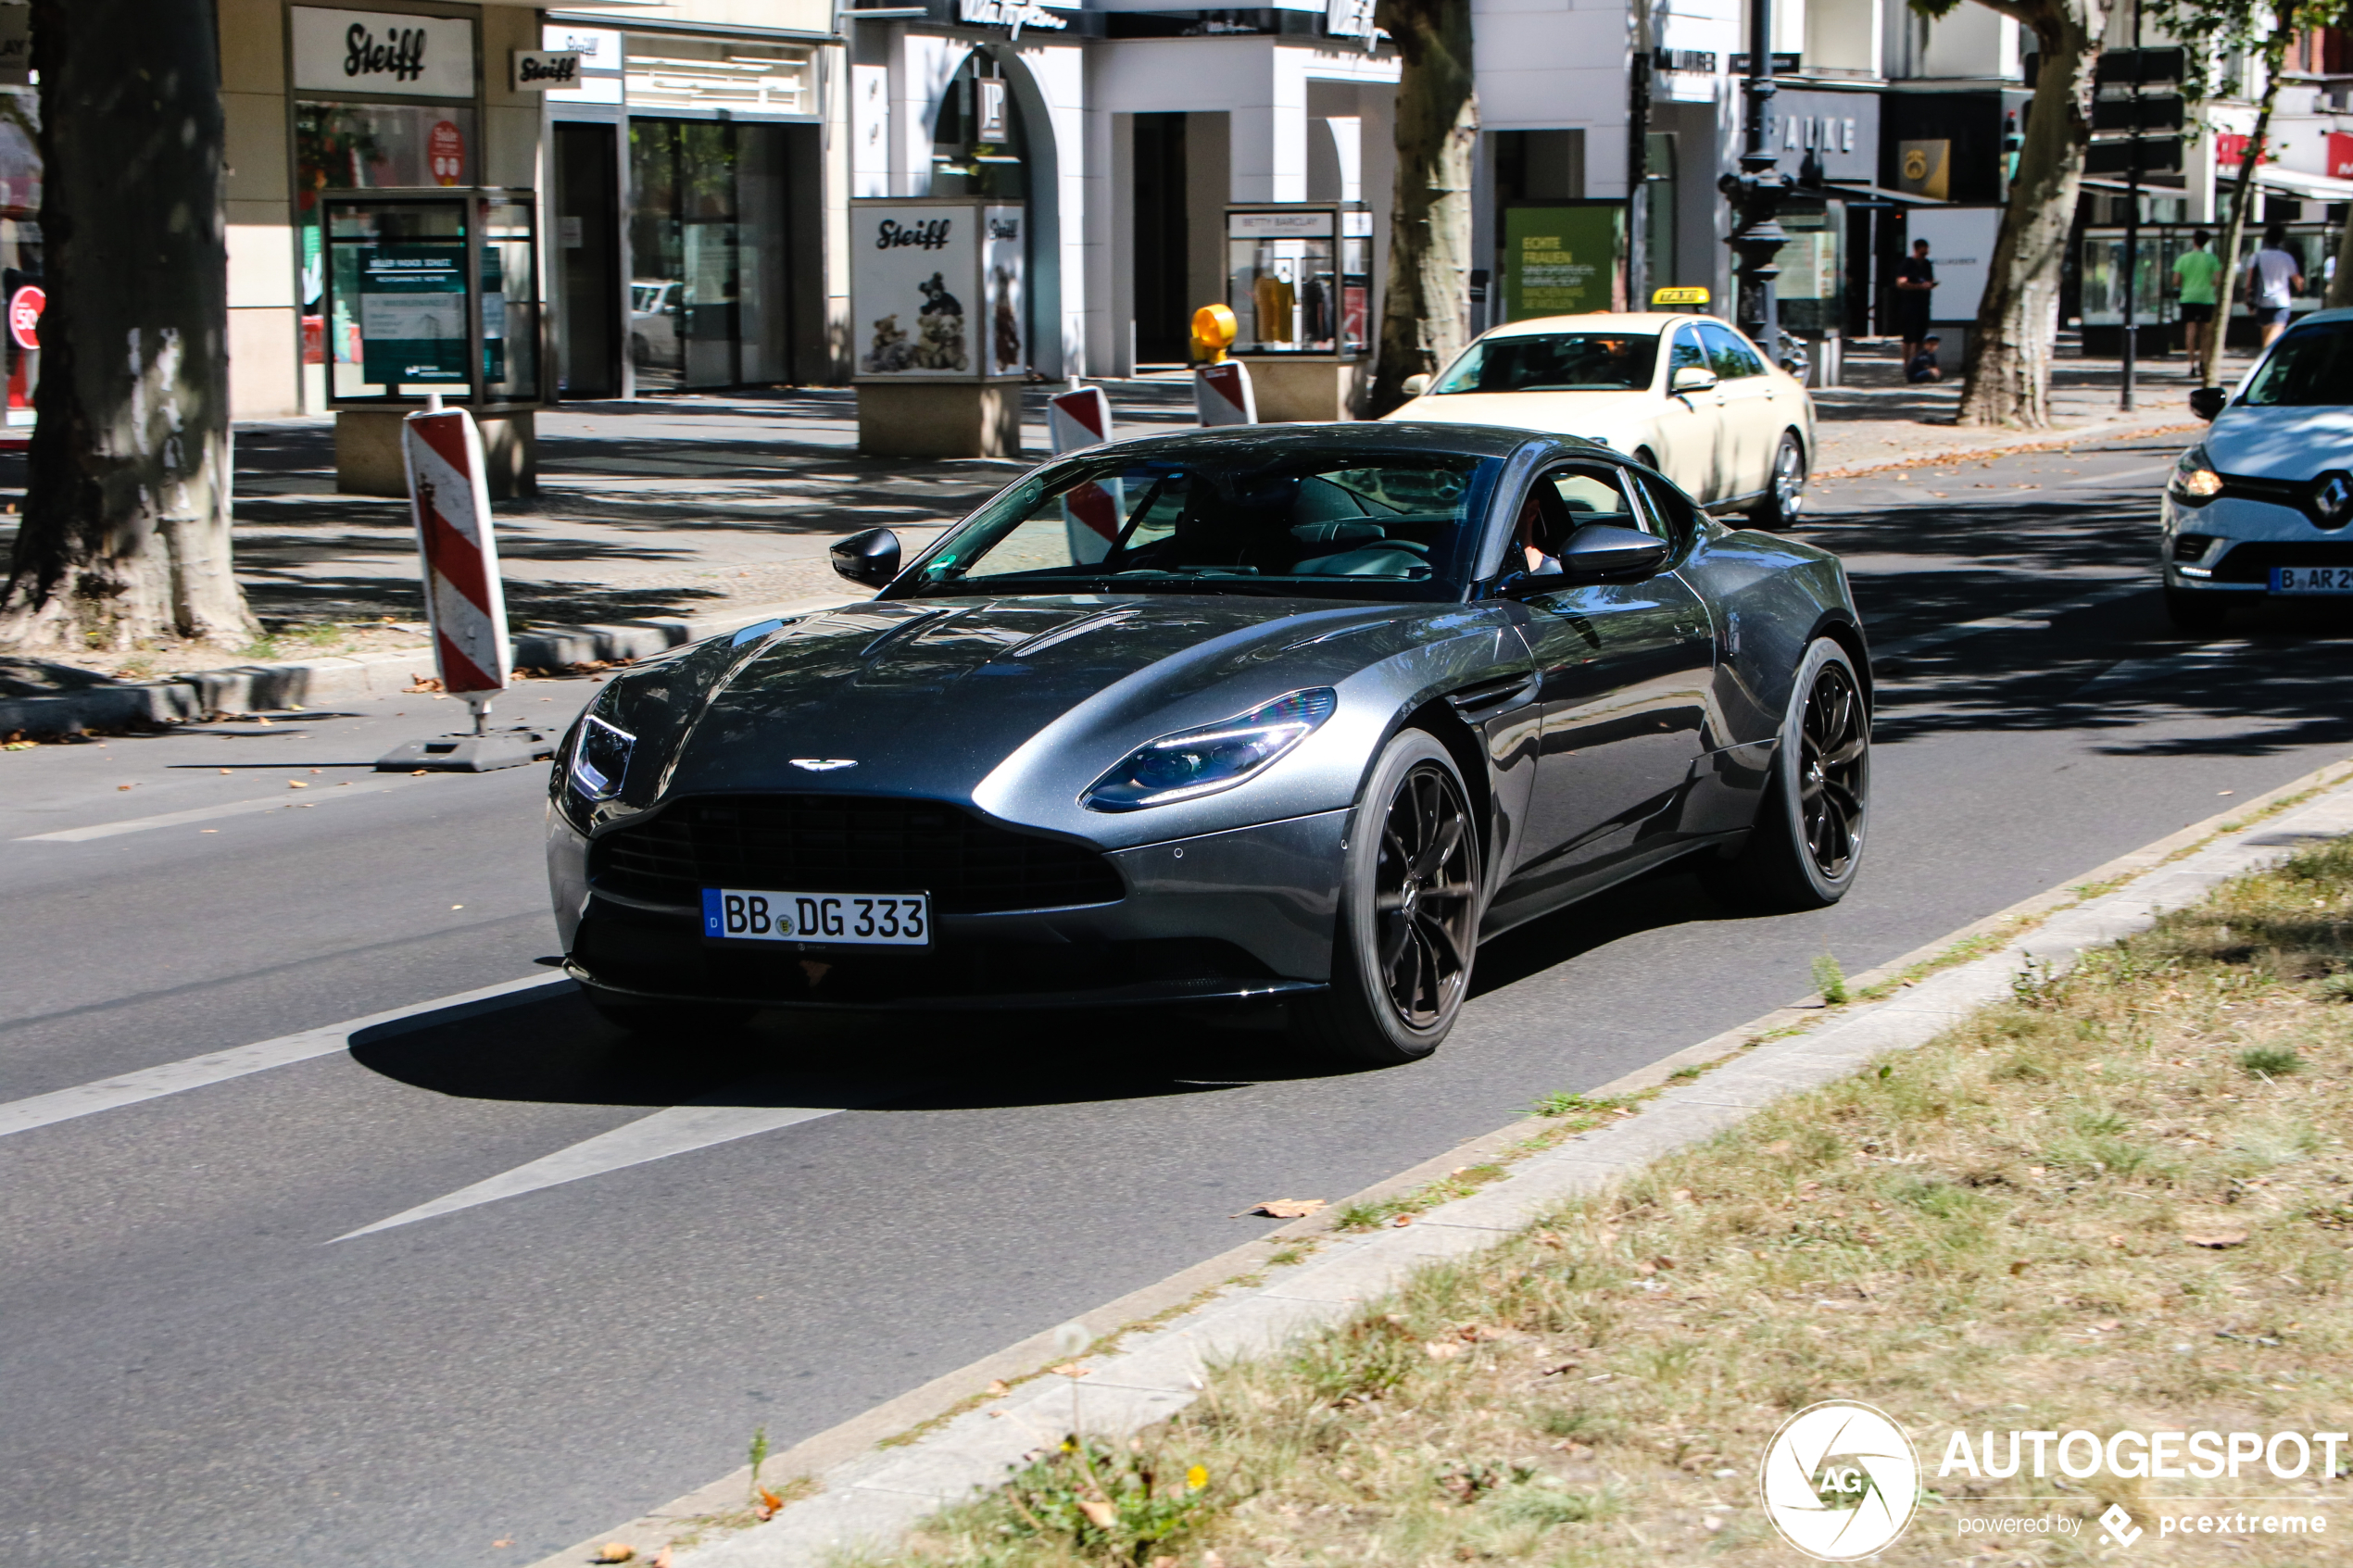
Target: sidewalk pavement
x=662, y=519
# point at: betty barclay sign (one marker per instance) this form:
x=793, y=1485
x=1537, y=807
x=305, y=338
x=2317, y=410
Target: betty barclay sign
x=382, y=54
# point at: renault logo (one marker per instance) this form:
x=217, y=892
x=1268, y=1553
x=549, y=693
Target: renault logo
x=2333, y=498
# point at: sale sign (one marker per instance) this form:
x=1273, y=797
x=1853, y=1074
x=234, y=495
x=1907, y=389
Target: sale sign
x=24, y=316
x=446, y=152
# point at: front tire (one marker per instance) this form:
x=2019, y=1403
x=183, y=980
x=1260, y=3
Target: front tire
x=1784, y=487
x=2195, y=614
x=1410, y=900
x=1807, y=843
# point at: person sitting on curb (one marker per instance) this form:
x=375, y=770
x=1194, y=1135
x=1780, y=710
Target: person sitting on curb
x=1922, y=365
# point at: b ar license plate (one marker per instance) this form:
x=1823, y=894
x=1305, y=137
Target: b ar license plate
x=2312, y=580
x=854, y=919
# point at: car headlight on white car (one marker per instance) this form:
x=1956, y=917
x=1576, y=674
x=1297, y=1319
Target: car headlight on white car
x=1192, y=763
x=2194, y=479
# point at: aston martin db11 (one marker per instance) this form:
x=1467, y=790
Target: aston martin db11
x=1296, y=714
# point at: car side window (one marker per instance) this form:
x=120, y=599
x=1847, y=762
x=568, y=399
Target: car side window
x=1685, y=355
x=1729, y=354
x=1678, y=515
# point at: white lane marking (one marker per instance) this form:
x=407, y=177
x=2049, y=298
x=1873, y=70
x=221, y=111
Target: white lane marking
x=2038, y=619
x=2134, y=671
x=152, y=1083
x=682, y=1129
x=206, y=813
x=2141, y=473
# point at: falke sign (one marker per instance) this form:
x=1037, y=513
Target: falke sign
x=389, y=53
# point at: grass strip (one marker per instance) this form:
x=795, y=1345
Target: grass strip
x=2123, y=1199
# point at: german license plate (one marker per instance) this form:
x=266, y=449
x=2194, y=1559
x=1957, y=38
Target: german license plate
x=851, y=919
x=2312, y=580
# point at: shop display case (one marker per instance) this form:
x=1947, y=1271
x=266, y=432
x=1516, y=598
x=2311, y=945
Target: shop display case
x=432, y=291
x=1298, y=279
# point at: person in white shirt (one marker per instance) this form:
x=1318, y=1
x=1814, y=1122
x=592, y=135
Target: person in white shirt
x=2273, y=280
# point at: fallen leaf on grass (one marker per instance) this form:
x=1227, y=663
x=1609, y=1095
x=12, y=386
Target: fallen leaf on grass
x=2215, y=1238
x=616, y=1552
x=1286, y=1208
x=769, y=1504
x=1099, y=1512
x=1402, y=1220
x=1442, y=1349
x=1068, y=1369
x=998, y=1386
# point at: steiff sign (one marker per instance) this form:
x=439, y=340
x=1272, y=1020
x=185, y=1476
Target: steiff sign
x=382, y=54
x=545, y=70
x=937, y=289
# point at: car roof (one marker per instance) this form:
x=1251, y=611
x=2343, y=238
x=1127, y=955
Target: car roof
x=1652, y=322
x=2340, y=314
x=1377, y=438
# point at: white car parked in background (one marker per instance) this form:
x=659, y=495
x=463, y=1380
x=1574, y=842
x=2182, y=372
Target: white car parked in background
x=2259, y=508
x=1685, y=394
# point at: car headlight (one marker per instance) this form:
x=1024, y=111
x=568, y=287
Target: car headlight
x=600, y=759
x=1197, y=762
x=2194, y=479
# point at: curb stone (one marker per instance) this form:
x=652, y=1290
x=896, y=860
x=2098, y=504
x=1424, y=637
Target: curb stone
x=868, y=1501
x=246, y=688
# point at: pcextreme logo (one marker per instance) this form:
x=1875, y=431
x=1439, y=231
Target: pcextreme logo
x=1840, y=1480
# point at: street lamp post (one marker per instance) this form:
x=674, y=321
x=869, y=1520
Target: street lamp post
x=1755, y=193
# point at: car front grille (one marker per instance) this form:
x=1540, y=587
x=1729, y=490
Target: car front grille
x=2297, y=495
x=2253, y=562
x=847, y=844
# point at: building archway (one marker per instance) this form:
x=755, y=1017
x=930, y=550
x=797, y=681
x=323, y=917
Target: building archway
x=993, y=136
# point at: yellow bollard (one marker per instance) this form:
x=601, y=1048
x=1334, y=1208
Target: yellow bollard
x=1214, y=332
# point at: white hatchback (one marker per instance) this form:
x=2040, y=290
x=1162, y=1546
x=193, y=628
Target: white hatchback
x=1685, y=394
x=2259, y=508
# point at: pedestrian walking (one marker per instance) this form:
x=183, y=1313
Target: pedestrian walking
x=1915, y=284
x=2195, y=272
x=2273, y=280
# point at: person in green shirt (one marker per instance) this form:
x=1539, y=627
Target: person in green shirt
x=2195, y=271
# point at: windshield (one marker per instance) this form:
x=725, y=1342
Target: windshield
x=1554, y=362
x=2310, y=366
x=1329, y=524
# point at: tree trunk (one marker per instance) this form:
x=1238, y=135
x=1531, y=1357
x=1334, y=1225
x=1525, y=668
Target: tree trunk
x=126, y=528
x=2006, y=375
x=1426, y=307
x=2243, y=192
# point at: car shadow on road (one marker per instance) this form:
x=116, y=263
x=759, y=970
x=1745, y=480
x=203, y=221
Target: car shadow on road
x=555, y=1050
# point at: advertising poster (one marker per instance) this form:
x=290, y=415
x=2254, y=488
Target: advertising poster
x=1560, y=261
x=412, y=314
x=916, y=289
x=1002, y=253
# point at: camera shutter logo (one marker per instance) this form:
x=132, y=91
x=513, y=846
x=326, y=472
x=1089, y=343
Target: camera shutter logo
x=1840, y=1480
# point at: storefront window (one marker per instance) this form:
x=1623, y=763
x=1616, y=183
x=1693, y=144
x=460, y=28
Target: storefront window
x=1812, y=287
x=368, y=146
x=978, y=144
x=1300, y=282
x=707, y=244
x=21, y=273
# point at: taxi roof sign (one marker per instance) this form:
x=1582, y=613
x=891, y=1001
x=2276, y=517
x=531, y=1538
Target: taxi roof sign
x=1689, y=294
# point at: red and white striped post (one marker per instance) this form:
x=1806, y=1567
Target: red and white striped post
x=1222, y=394
x=449, y=501
x=1078, y=417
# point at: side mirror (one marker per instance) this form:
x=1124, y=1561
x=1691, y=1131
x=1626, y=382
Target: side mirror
x=1413, y=387
x=870, y=559
x=2205, y=402
x=1602, y=550
x=1691, y=378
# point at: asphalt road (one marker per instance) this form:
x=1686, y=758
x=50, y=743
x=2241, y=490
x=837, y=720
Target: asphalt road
x=196, y=1370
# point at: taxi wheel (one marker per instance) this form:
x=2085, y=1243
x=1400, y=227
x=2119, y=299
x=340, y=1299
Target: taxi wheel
x=1785, y=488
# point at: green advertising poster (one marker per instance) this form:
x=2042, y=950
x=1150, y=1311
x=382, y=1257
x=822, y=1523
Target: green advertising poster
x=412, y=314
x=1560, y=261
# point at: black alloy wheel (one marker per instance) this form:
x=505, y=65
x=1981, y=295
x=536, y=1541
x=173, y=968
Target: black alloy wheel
x=1423, y=890
x=1834, y=742
x=1785, y=488
x=1411, y=894
x=1813, y=818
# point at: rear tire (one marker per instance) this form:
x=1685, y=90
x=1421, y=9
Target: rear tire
x=2194, y=613
x=1784, y=487
x=682, y=1021
x=1411, y=894
x=1807, y=843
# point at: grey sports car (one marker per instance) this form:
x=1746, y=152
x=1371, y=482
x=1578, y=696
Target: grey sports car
x=1292, y=713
